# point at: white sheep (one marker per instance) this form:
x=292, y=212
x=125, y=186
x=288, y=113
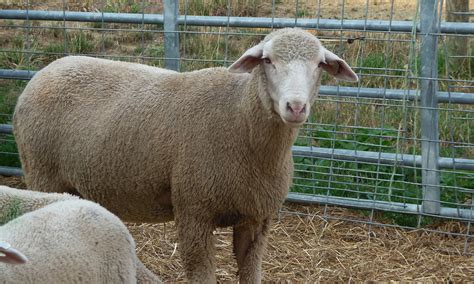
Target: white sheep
x=208, y=148
x=14, y=202
x=68, y=241
x=11, y=255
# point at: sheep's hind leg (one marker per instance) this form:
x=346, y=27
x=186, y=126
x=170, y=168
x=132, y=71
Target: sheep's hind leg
x=197, y=248
x=249, y=243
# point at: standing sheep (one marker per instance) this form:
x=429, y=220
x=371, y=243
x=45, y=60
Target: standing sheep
x=208, y=148
x=67, y=241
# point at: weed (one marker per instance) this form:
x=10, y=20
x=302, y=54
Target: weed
x=245, y=8
x=9, y=23
x=370, y=181
x=54, y=51
x=302, y=13
x=9, y=92
x=107, y=42
x=155, y=51
x=81, y=42
x=124, y=6
x=18, y=42
x=8, y=151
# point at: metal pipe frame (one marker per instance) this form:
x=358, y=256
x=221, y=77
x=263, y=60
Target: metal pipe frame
x=221, y=21
x=171, y=36
x=429, y=101
x=351, y=92
x=464, y=214
x=353, y=155
x=382, y=158
x=429, y=97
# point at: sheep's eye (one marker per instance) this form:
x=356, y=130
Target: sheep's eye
x=267, y=60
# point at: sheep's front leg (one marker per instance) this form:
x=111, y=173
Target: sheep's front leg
x=249, y=244
x=197, y=249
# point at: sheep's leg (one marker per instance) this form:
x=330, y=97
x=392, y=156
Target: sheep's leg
x=249, y=243
x=197, y=249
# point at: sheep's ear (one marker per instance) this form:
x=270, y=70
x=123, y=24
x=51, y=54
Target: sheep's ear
x=251, y=58
x=11, y=255
x=338, y=67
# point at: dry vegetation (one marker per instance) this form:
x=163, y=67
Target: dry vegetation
x=306, y=247
x=311, y=249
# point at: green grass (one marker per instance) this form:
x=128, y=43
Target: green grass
x=371, y=181
x=9, y=92
x=11, y=212
x=82, y=42
x=156, y=51
x=353, y=179
x=8, y=151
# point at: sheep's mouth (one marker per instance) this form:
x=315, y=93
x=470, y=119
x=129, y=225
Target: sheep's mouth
x=294, y=123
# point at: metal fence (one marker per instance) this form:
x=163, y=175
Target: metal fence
x=399, y=141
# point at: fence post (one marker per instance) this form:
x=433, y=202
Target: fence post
x=429, y=113
x=171, y=8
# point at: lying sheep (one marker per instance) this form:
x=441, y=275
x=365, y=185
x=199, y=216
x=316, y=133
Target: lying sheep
x=14, y=202
x=11, y=255
x=70, y=241
x=208, y=148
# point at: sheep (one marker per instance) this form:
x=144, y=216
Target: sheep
x=11, y=255
x=14, y=202
x=209, y=148
x=67, y=241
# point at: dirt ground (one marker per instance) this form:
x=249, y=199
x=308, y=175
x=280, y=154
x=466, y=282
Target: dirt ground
x=306, y=247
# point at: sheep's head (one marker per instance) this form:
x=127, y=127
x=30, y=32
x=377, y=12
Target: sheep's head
x=293, y=61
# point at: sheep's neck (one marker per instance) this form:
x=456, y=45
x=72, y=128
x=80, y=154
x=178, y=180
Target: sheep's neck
x=268, y=137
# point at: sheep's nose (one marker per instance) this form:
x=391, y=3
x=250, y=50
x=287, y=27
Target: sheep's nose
x=296, y=107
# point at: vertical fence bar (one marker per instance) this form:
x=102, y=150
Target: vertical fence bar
x=429, y=104
x=171, y=8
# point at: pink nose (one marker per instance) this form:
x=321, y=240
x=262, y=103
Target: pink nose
x=296, y=108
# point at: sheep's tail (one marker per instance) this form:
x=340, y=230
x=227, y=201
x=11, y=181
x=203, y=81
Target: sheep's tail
x=16, y=202
x=11, y=255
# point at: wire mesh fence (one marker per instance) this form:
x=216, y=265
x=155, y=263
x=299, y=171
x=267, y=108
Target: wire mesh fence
x=398, y=145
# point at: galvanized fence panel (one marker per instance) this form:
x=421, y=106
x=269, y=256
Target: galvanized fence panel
x=400, y=142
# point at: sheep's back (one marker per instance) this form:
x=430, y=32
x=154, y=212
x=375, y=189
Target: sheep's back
x=114, y=129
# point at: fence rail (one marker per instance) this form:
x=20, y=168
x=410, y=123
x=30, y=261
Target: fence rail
x=222, y=21
x=354, y=92
x=425, y=97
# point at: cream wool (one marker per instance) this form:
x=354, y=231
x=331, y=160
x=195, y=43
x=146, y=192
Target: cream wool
x=69, y=241
x=208, y=148
x=24, y=201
